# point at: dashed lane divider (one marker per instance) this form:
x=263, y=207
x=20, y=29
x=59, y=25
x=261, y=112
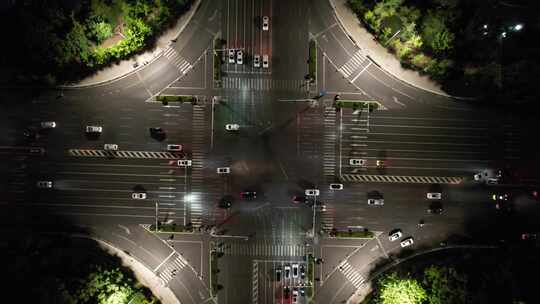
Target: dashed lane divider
x=400, y=179
x=123, y=154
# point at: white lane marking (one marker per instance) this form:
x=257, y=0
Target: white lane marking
x=358, y=75
x=164, y=261
x=397, y=101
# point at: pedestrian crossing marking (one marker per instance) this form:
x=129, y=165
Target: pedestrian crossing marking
x=123, y=154
x=172, y=269
x=351, y=274
x=263, y=84
x=354, y=63
x=330, y=137
x=263, y=249
x=198, y=143
x=401, y=179
x=183, y=65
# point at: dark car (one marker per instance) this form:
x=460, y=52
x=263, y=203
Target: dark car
x=302, y=272
x=278, y=274
x=225, y=202
x=435, y=208
x=248, y=195
x=157, y=133
x=299, y=199
x=286, y=292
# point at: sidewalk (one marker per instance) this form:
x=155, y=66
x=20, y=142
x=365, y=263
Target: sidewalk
x=388, y=62
x=125, y=67
x=143, y=275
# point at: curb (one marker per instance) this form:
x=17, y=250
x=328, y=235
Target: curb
x=157, y=54
x=344, y=29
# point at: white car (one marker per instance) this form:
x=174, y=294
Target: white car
x=224, y=170
x=138, y=195
x=336, y=186
x=232, y=127
x=407, y=242
x=174, y=147
x=295, y=270
x=295, y=295
x=48, y=124
x=239, y=57
x=312, y=192
x=265, y=23
x=94, y=129
x=231, y=56
x=357, y=162
x=110, y=147
x=184, y=163
x=265, y=61
x=492, y=181
x=434, y=195
x=480, y=175
x=44, y=184
x=375, y=201
x=257, y=61
x=396, y=235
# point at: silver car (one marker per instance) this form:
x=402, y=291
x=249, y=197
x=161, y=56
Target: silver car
x=94, y=129
x=257, y=61
x=375, y=201
x=48, y=124
x=232, y=127
x=357, y=162
x=138, y=195
x=312, y=192
x=240, y=57
x=223, y=170
x=434, y=195
x=394, y=236
x=110, y=147
x=231, y=56
x=407, y=242
x=184, y=163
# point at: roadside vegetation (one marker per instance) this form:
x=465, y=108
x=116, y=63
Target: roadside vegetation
x=461, y=276
x=351, y=233
x=312, y=61
x=58, y=269
x=176, y=98
x=468, y=46
x=60, y=41
x=214, y=271
x=219, y=44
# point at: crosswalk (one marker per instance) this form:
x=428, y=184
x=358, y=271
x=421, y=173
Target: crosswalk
x=171, y=269
x=262, y=249
x=351, y=274
x=198, y=146
x=401, y=179
x=183, y=65
x=354, y=63
x=123, y=154
x=263, y=84
x=255, y=282
x=329, y=145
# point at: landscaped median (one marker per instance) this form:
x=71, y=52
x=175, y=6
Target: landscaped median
x=176, y=98
x=218, y=59
x=310, y=273
x=312, y=60
x=361, y=234
x=214, y=271
x=171, y=228
x=357, y=104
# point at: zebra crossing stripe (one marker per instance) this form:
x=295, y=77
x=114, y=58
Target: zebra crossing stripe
x=172, y=269
x=255, y=282
x=351, y=274
x=183, y=65
x=401, y=179
x=123, y=154
x=350, y=66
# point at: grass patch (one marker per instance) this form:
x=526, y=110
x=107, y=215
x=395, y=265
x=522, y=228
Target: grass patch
x=356, y=105
x=312, y=60
x=214, y=271
x=352, y=234
x=174, y=98
x=310, y=273
x=170, y=228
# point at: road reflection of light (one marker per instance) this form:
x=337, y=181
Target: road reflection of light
x=192, y=198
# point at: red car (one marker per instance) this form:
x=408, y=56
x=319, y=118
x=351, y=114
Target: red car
x=298, y=199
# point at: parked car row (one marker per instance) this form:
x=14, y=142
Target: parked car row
x=237, y=57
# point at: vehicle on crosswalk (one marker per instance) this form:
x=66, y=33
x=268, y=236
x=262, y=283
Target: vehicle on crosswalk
x=395, y=235
x=357, y=162
x=313, y=192
x=231, y=56
x=265, y=23
x=223, y=170
x=375, y=201
x=232, y=127
x=239, y=57
x=407, y=242
x=174, y=147
x=110, y=147
x=138, y=195
x=257, y=61
x=44, y=184
x=184, y=163
x=265, y=61
x=336, y=186
x=94, y=129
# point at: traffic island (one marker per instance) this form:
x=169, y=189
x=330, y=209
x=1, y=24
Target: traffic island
x=218, y=60
x=312, y=61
